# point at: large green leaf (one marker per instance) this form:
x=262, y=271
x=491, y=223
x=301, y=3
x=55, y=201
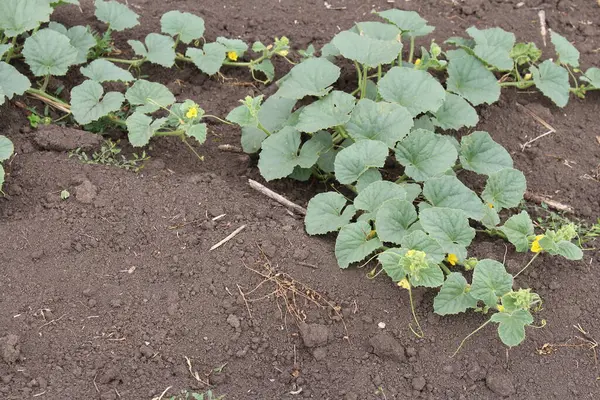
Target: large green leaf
x=481, y=154
x=327, y=212
x=20, y=16
x=553, y=81
x=90, y=103
x=425, y=154
x=279, y=155
x=48, y=52
x=80, y=37
x=416, y=90
x=469, y=78
x=208, y=60
x=141, y=128
x=569, y=250
x=239, y=47
x=356, y=159
x=158, y=49
x=11, y=82
x=511, y=328
x=448, y=226
x=188, y=26
x=592, y=75
x=367, y=50
x=394, y=219
x=118, y=16
x=449, y=192
x=197, y=131
x=6, y=148
x=149, y=96
x=1, y=177
x=493, y=46
x=383, y=121
x=377, y=30
x=266, y=67
x=505, y=188
x=454, y=297
x=312, y=77
x=490, y=282
x=455, y=113
x=354, y=243
x=567, y=53
x=517, y=229
x=104, y=71
x=331, y=110
x=419, y=240
x=372, y=197
x=391, y=262
x=409, y=22
x=371, y=175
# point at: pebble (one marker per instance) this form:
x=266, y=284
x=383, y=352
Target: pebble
x=319, y=353
x=500, y=383
x=418, y=383
x=234, y=321
x=381, y=325
x=387, y=347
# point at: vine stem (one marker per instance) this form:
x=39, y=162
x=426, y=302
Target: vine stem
x=414, y=314
x=363, y=91
x=528, y=264
x=411, y=52
x=469, y=335
x=445, y=269
x=136, y=63
x=11, y=50
x=217, y=118
x=45, y=83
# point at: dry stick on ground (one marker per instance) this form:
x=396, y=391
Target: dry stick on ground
x=541, y=121
x=555, y=205
x=277, y=197
x=230, y=148
x=586, y=342
x=228, y=238
x=543, y=31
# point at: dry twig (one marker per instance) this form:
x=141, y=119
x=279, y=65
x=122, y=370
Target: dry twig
x=275, y=196
x=228, y=238
x=555, y=205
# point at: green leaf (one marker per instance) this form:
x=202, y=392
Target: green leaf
x=275, y=112
x=48, y=52
x=1, y=177
x=367, y=50
x=80, y=37
x=279, y=154
x=425, y=154
x=517, y=229
x=331, y=110
x=449, y=192
x=4, y=48
x=235, y=45
x=448, y=226
x=11, y=82
x=455, y=113
x=208, y=60
x=511, y=328
x=505, y=188
x=409, y=22
x=493, y=46
x=312, y=149
x=377, y=30
x=480, y=153
x=354, y=243
x=104, y=71
x=247, y=113
x=469, y=78
x=20, y=16
x=372, y=197
x=355, y=160
x=312, y=77
x=525, y=53
x=567, y=53
x=197, y=131
x=149, y=96
x=416, y=90
x=569, y=250
x=553, y=82
x=301, y=174
x=141, y=128
x=90, y=103
x=413, y=190
x=454, y=297
x=490, y=219
x=394, y=219
x=188, y=26
x=118, y=16
x=327, y=212
x=158, y=49
x=431, y=276
x=371, y=175
x=266, y=67
x=383, y=121
x=6, y=148
x=490, y=282
x=592, y=75
x=252, y=139
x=419, y=240
x=391, y=263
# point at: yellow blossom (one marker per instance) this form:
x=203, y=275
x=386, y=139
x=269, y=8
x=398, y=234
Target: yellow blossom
x=283, y=53
x=527, y=77
x=535, y=246
x=232, y=55
x=500, y=308
x=490, y=205
x=404, y=284
x=452, y=259
x=418, y=62
x=192, y=112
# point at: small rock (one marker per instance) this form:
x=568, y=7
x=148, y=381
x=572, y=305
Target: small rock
x=500, y=383
x=381, y=325
x=234, y=321
x=314, y=335
x=554, y=285
x=411, y=352
x=387, y=347
x=476, y=373
x=351, y=396
x=59, y=138
x=146, y=351
x=108, y=376
x=418, y=383
x=10, y=348
x=320, y=353
x=86, y=192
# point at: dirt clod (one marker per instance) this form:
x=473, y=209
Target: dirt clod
x=500, y=383
x=86, y=192
x=314, y=335
x=58, y=138
x=10, y=348
x=387, y=347
x=418, y=383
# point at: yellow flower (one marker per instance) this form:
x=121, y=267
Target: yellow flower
x=192, y=112
x=232, y=55
x=452, y=259
x=527, y=77
x=490, y=205
x=535, y=246
x=418, y=62
x=283, y=53
x=500, y=308
x=404, y=284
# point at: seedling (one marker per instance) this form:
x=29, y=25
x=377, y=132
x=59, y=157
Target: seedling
x=64, y=194
x=110, y=154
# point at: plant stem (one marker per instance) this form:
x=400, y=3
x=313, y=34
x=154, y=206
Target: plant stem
x=420, y=334
x=411, y=52
x=469, y=335
x=176, y=42
x=519, y=85
x=379, y=72
x=363, y=91
x=11, y=50
x=201, y=158
x=136, y=63
x=217, y=118
x=45, y=83
x=358, y=75
x=445, y=269
x=528, y=264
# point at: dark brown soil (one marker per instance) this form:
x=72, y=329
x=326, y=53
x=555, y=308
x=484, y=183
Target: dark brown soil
x=105, y=295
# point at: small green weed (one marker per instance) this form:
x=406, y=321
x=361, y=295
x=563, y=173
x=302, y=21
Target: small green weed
x=110, y=154
x=186, y=395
